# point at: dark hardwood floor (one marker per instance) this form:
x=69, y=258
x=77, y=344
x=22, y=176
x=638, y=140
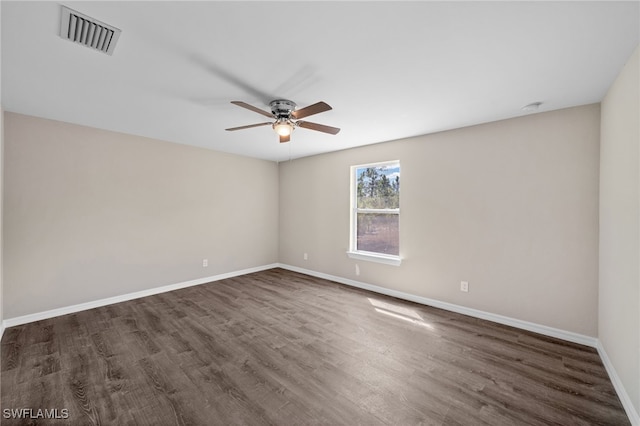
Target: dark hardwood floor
x=277, y=347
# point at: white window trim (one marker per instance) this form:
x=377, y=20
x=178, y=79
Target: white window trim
x=353, y=253
x=375, y=257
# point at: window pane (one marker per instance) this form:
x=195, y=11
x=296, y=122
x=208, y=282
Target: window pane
x=378, y=187
x=378, y=233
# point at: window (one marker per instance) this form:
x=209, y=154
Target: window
x=375, y=218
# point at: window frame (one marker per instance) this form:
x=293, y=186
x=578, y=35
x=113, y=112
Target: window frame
x=353, y=252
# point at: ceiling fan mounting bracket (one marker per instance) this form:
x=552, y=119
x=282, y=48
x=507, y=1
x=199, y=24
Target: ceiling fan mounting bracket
x=282, y=108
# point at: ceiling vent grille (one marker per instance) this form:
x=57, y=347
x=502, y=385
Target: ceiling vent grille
x=87, y=31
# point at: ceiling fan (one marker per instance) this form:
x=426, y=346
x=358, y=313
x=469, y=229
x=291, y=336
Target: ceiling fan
x=287, y=117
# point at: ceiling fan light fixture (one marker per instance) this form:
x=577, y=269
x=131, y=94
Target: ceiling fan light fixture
x=283, y=127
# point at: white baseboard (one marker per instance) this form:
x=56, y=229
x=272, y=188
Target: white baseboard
x=525, y=325
x=513, y=322
x=1, y=328
x=11, y=322
x=632, y=413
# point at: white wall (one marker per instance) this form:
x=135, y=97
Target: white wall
x=91, y=214
x=510, y=206
x=619, y=293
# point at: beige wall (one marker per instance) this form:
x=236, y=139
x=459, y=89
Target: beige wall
x=91, y=214
x=1, y=212
x=510, y=206
x=619, y=301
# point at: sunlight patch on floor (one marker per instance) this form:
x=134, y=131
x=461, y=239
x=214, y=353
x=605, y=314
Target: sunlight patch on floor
x=399, y=312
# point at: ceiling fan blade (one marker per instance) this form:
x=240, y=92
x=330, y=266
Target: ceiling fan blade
x=252, y=108
x=310, y=110
x=285, y=138
x=249, y=126
x=318, y=127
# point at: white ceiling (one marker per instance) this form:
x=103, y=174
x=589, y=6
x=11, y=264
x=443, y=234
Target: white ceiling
x=389, y=69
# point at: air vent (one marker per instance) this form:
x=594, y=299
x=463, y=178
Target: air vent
x=87, y=31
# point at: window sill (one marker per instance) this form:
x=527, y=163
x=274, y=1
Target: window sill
x=375, y=257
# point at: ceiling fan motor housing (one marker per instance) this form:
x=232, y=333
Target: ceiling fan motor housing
x=282, y=108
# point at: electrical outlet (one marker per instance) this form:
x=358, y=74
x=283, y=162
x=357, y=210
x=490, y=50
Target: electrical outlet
x=464, y=286
x=205, y=263
x=305, y=256
x=357, y=269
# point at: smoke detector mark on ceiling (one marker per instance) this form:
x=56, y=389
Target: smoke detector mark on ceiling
x=84, y=30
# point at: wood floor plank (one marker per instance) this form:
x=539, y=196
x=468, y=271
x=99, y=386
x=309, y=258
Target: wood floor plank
x=281, y=348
